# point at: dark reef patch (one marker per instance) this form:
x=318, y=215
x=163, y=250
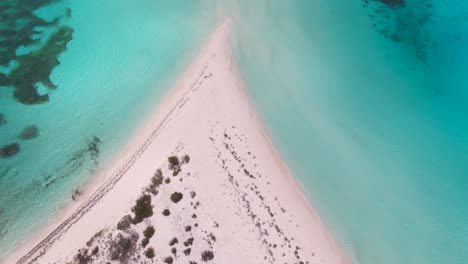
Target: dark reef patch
x=3, y=120
x=4, y=80
x=19, y=24
x=9, y=150
x=29, y=132
x=36, y=67
x=89, y=154
x=22, y=28
x=93, y=149
x=84, y=159
x=392, y=3
x=3, y=223
x=406, y=24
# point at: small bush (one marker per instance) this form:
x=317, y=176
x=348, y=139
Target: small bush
x=124, y=223
x=176, y=172
x=82, y=257
x=166, y=212
x=168, y=260
x=173, y=162
x=96, y=236
x=142, y=209
x=189, y=242
x=207, y=255
x=212, y=237
x=149, y=232
x=185, y=159
x=176, y=197
x=149, y=253
x=156, y=181
x=174, y=165
x=144, y=242
x=173, y=241
x=123, y=247
x=95, y=251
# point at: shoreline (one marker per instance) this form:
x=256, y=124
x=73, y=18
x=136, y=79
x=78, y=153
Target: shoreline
x=101, y=178
x=286, y=171
x=104, y=174
x=160, y=130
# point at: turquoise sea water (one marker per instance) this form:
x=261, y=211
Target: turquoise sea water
x=367, y=102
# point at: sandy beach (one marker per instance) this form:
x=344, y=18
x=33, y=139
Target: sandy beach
x=207, y=178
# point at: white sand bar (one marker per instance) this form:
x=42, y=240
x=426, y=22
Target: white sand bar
x=239, y=201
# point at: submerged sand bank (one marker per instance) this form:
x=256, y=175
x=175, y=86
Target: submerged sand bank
x=233, y=200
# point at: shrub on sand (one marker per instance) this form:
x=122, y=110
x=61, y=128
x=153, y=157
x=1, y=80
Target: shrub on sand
x=125, y=222
x=176, y=197
x=142, y=208
x=149, y=232
x=156, y=181
x=123, y=247
x=207, y=255
x=149, y=253
x=144, y=242
x=174, y=165
x=186, y=159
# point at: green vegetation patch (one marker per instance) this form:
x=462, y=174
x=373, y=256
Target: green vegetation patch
x=123, y=247
x=207, y=255
x=166, y=212
x=149, y=232
x=174, y=165
x=186, y=159
x=142, y=208
x=144, y=242
x=149, y=253
x=82, y=257
x=156, y=181
x=168, y=260
x=173, y=241
x=176, y=197
x=94, y=238
x=125, y=222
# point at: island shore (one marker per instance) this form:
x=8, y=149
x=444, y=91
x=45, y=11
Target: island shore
x=218, y=191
